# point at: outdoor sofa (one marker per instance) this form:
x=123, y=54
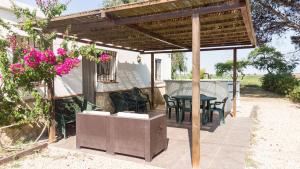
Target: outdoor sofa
x=140, y=135
x=131, y=100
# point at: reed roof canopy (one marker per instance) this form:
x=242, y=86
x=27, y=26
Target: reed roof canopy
x=162, y=25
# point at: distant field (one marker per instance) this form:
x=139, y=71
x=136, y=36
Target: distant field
x=251, y=81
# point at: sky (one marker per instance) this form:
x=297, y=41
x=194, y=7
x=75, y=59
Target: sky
x=208, y=59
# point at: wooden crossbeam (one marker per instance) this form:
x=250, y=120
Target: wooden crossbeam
x=178, y=14
x=248, y=23
x=155, y=36
x=202, y=49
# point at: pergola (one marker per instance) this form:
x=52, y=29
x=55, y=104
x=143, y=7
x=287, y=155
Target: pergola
x=165, y=26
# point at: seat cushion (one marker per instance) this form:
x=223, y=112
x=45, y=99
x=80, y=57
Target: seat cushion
x=98, y=113
x=133, y=115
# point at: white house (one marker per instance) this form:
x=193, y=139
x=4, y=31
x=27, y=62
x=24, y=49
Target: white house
x=126, y=71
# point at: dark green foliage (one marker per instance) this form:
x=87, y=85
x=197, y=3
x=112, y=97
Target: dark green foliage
x=295, y=94
x=281, y=84
x=276, y=17
x=269, y=59
x=227, y=68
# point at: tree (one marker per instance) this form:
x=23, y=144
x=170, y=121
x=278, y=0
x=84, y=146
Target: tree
x=275, y=17
x=269, y=59
x=110, y=3
x=178, y=63
x=227, y=68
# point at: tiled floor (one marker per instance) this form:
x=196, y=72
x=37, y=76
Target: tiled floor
x=222, y=147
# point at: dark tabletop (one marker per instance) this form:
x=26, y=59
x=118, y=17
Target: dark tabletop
x=189, y=97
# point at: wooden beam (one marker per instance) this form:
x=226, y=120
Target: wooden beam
x=196, y=92
x=227, y=6
x=202, y=49
x=155, y=36
x=82, y=40
x=152, y=81
x=234, y=81
x=248, y=24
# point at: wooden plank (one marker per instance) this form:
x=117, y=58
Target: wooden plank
x=152, y=81
x=234, y=81
x=89, y=80
x=248, y=24
x=202, y=49
x=227, y=6
x=155, y=36
x=23, y=153
x=196, y=92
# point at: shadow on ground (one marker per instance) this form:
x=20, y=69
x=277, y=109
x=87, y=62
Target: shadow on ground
x=253, y=91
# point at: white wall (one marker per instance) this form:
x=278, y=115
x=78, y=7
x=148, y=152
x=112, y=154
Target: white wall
x=130, y=74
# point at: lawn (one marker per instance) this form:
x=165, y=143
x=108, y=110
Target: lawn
x=251, y=81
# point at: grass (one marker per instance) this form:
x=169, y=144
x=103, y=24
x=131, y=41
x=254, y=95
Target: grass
x=251, y=81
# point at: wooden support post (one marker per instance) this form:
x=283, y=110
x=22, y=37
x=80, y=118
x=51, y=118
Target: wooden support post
x=89, y=80
x=196, y=92
x=234, y=81
x=52, y=126
x=152, y=81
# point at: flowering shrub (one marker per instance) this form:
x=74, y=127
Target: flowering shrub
x=104, y=57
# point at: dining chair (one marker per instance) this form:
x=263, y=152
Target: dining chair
x=219, y=106
x=171, y=104
x=185, y=106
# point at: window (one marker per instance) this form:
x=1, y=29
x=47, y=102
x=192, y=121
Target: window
x=106, y=71
x=158, y=69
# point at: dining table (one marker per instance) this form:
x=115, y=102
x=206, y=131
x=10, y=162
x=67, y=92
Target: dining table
x=205, y=105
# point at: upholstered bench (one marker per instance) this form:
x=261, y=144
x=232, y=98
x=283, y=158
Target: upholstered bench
x=92, y=130
x=139, y=135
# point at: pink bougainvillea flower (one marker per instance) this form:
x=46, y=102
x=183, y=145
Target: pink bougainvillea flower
x=61, y=52
x=33, y=58
x=17, y=68
x=48, y=57
x=66, y=66
x=25, y=51
x=104, y=57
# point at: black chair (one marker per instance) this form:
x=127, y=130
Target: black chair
x=171, y=104
x=220, y=109
x=66, y=110
x=185, y=106
x=121, y=102
x=141, y=99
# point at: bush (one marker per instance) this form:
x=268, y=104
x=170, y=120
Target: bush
x=295, y=94
x=281, y=84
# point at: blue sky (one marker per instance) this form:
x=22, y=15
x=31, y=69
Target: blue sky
x=208, y=59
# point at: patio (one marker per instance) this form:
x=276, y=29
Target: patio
x=166, y=26
x=224, y=145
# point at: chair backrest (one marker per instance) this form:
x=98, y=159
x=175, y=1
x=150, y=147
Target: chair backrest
x=167, y=98
x=136, y=91
x=224, y=102
x=118, y=101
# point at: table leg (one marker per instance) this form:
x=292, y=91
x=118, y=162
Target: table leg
x=209, y=111
x=203, y=117
x=177, y=111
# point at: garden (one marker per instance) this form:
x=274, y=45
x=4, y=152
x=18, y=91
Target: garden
x=27, y=77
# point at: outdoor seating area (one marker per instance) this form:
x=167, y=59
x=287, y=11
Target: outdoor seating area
x=182, y=104
x=132, y=100
x=174, y=26
x=133, y=84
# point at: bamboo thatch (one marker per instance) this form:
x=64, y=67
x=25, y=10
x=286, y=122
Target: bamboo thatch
x=163, y=24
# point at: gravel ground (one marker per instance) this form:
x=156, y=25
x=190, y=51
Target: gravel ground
x=275, y=142
x=60, y=159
